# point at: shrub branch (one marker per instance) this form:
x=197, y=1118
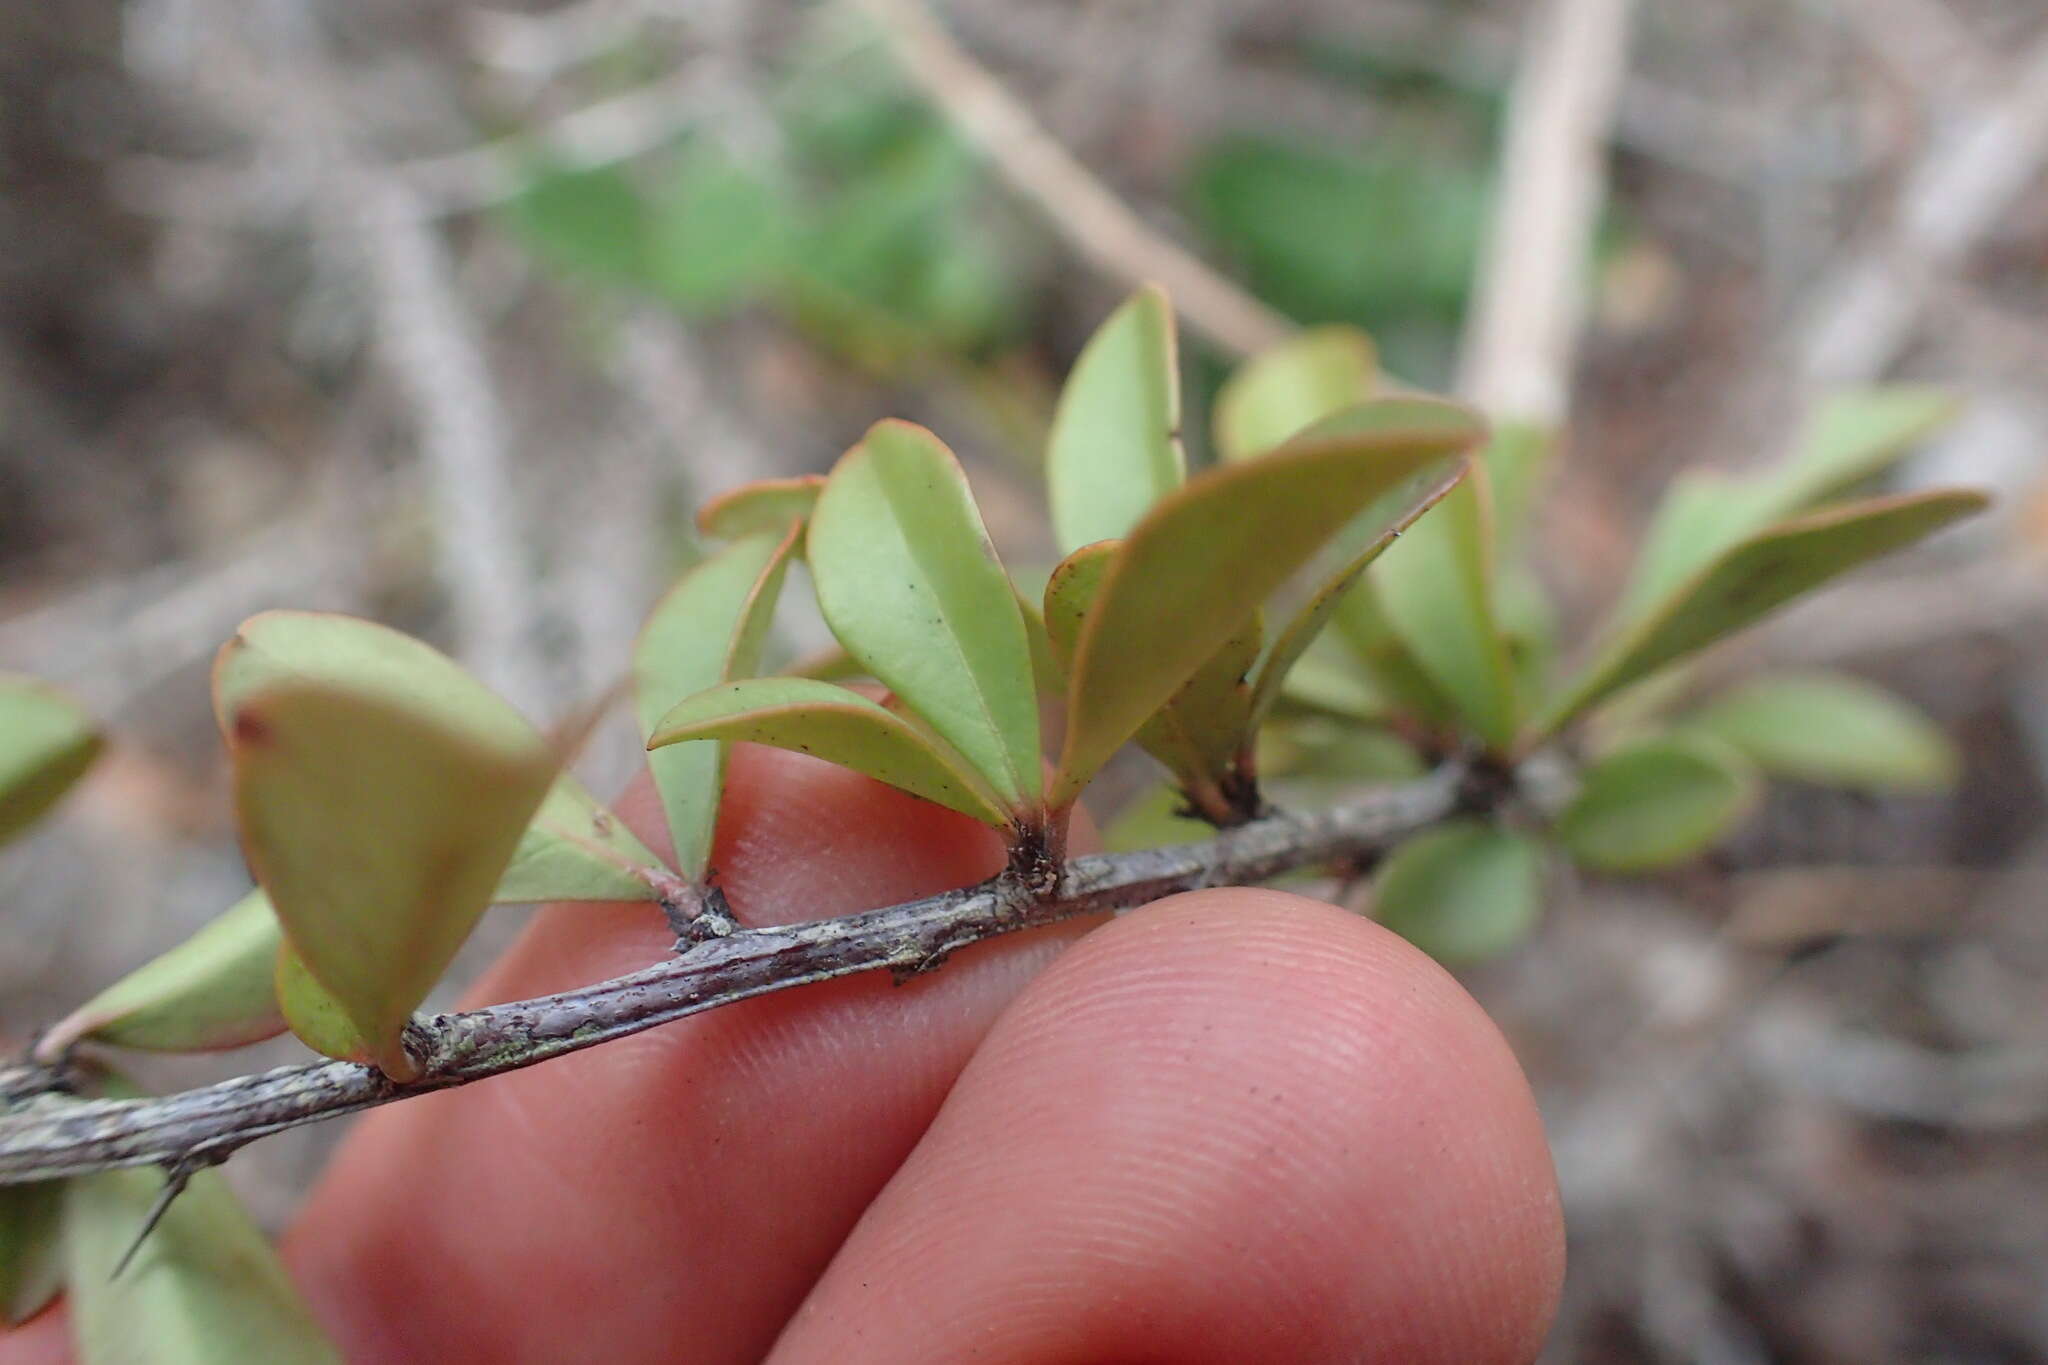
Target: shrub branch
x=47, y=1133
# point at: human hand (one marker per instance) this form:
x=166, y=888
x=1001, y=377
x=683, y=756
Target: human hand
x=1236, y=1125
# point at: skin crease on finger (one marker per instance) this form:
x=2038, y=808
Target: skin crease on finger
x=1236, y=1125
x=1232, y=1126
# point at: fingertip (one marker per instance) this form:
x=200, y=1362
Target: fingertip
x=1232, y=1125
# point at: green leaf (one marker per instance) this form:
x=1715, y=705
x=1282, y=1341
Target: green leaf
x=840, y=727
x=1703, y=513
x=718, y=233
x=1436, y=588
x=1516, y=460
x=1155, y=819
x=1328, y=678
x=212, y=991
x=1656, y=802
x=1324, y=749
x=204, y=1286
x=764, y=506
x=1832, y=730
x=1462, y=892
x=1288, y=388
x=1528, y=622
x=46, y=744
x=831, y=664
x=1309, y=621
x=1193, y=572
x=1362, y=625
x=1854, y=436
x=333, y=650
x=909, y=583
x=576, y=850
x=1199, y=731
x=315, y=1017
x=557, y=858
x=1115, y=445
x=31, y=1248
x=380, y=830
x=589, y=221
x=708, y=629
x=1755, y=578
x=1048, y=677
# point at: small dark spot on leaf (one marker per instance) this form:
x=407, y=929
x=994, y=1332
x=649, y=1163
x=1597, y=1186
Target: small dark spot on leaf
x=251, y=728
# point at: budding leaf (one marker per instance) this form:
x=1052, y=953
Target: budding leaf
x=1195, y=569
x=31, y=1248
x=203, y=1286
x=766, y=506
x=46, y=744
x=1755, y=578
x=556, y=858
x=1831, y=730
x=1656, y=802
x=1115, y=446
x=379, y=831
x=840, y=727
x=909, y=583
x=1462, y=892
x=708, y=629
x=211, y=991
x=1286, y=389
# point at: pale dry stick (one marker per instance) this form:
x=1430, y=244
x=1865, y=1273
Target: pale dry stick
x=1075, y=203
x=432, y=350
x=44, y=1134
x=1704, y=136
x=1921, y=42
x=1530, y=300
x=1865, y=312
x=542, y=46
x=599, y=134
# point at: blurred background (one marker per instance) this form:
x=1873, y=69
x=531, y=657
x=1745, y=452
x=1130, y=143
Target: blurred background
x=449, y=314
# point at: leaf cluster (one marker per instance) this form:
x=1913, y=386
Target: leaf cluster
x=1346, y=596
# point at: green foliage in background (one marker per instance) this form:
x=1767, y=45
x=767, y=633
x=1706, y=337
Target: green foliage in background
x=861, y=216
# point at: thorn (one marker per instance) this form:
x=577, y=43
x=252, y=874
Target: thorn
x=175, y=1181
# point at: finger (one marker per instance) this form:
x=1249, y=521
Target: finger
x=672, y=1195
x=1236, y=1125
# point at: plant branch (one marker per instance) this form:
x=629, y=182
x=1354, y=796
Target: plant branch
x=45, y=1133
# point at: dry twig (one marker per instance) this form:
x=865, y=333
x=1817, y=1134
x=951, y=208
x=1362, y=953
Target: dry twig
x=44, y=1134
x=1525, y=320
x=1077, y=205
